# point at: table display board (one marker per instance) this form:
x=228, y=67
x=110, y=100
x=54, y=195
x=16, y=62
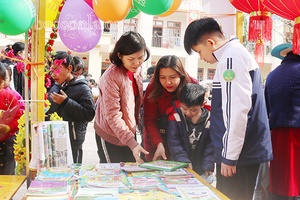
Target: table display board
x=9, y=185
x=112, y=181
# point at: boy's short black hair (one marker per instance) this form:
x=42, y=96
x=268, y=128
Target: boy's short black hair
x=150, y=70
x=92, y=81
x=197, y=29
x=192, y=94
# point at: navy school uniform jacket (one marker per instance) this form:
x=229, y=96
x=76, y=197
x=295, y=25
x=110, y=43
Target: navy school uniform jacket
x=178, y=142
x=239, y=123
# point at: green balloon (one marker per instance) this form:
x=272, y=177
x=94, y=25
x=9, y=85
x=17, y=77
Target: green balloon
x=132, y=13
x=153, y=7
x=16, y=16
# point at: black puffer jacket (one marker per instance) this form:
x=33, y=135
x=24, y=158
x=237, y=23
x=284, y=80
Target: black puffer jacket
x=78, y=109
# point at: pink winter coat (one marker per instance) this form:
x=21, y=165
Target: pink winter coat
x=117, y=111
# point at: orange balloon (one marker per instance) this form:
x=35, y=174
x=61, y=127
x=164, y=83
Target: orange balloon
x=173, y=8
x=110, y=11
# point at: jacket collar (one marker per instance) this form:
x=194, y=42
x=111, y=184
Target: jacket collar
x=219, y=52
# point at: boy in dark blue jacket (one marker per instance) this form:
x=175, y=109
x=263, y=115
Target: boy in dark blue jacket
x=188, y=130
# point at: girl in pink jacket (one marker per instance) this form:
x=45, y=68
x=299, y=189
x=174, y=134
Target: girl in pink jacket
x=8, y=125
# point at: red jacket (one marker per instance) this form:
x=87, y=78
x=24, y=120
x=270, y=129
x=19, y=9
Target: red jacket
x=152, y=113
x=8, y=101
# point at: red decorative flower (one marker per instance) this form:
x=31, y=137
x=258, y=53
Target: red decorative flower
x=49, y=48
x=20, y=67
x=46, y=96
x=10, y=53
x=53, y=35
x=28, y=67
x=48, y=82
x=51, y=42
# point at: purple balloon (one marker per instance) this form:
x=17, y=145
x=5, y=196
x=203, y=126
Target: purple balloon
x=78, y=26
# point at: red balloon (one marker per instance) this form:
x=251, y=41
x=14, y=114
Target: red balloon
x=289, y=10
x=248, y=6
x=89, y=2
x=260, y=24
x=286, y=9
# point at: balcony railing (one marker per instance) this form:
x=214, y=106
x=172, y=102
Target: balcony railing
x=166, y=42
x=157, y=41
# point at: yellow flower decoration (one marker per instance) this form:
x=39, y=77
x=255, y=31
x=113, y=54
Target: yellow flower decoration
x=55, y=117
x=20, y=145
x=47, y=103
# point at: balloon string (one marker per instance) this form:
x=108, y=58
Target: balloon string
x=24, y=61
x=132, y=4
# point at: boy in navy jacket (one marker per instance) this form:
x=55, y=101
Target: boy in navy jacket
x=188, y=130
x=239, y=129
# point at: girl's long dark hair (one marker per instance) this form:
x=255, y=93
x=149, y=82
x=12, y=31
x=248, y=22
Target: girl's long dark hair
x=168, y=61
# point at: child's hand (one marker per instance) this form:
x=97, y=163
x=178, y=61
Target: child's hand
x=3, y=131
x=58, y=98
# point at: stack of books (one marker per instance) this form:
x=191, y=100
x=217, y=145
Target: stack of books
x=53, y=190
x=112, y=181
x=53, y=183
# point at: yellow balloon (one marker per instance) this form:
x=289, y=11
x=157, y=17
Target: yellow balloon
x=112, y=10
x=173, y=8
x=51, y=11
